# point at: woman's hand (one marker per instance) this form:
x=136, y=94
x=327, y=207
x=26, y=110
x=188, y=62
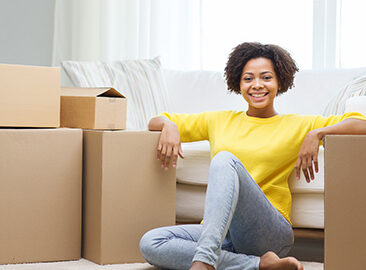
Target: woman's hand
x=308, y=155
x=169, y=146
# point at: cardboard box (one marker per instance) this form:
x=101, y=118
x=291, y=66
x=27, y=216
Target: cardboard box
x=93, y=108
x=345, y=202
x=29, y=96
x=40, y=195
x=126, y=193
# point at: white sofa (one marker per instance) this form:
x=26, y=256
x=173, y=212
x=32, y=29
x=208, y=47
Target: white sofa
x=144, y=81
x=198, y=91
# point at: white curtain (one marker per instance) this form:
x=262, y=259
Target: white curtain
x=107, y=30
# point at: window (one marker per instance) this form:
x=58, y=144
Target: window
x=226, y=24
x=318, y=33
x=352, y=40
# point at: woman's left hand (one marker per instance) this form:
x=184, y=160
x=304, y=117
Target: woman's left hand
x=308, y=155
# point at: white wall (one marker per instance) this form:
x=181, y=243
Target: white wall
x=26, y=31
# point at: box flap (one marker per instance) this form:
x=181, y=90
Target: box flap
x=91, y=92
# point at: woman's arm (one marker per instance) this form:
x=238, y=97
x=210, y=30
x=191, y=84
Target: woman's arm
x=157, y=123
x=169, y=146
x=347, y=126
x=308, y=153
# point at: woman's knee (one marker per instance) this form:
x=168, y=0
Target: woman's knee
x=149, y=244
x=223, y=158
x=157, y=244
x=287, y=242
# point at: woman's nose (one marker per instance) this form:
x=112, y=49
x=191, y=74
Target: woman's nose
x=257, y=84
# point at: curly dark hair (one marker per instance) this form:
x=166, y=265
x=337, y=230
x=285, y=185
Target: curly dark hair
x=283, y=64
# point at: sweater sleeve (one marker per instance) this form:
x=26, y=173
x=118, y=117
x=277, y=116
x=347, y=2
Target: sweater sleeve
x=321, y=121
x=192, y=127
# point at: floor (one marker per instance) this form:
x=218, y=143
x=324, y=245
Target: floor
x=309, y=251
x=87, y=265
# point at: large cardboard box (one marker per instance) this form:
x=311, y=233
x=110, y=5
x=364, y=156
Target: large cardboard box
x=126, y=193
x=29, y=96
x=345, y=202
x=93, y=108
x=40, y=195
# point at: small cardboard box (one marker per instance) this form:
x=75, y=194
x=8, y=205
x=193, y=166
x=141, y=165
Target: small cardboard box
x=345, y=202
x=126, y=193
x=93, y=108
x=29, y=96
x=40, y=195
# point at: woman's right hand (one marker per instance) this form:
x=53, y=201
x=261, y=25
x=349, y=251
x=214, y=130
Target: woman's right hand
x=169, y=146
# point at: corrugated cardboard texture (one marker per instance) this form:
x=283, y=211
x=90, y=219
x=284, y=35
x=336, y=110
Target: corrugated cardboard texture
x=126, y=193
x=29, y=96
x=345, y=202
x=40, y=195
x=93, y=108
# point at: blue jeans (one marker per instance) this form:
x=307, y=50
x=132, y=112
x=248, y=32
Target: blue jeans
x=240, y=225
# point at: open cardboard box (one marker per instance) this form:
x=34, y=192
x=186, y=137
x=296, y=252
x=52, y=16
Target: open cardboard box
x=93, y=108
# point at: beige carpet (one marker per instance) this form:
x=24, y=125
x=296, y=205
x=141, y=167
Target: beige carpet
x=87, y=265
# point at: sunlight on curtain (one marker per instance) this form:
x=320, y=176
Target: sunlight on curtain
x=107, y=30
x=200, y=34
x=226, y=24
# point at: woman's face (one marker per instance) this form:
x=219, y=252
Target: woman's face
x=259, y=86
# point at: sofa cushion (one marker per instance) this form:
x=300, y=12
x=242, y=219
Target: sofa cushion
x=141, y=81
x=193, y=169
x=313, y=90
x=307, y=208
x=190, y=203
x=192, y=179
x=198, y=91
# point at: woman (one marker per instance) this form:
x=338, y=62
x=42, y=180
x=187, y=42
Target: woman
x=247, y=209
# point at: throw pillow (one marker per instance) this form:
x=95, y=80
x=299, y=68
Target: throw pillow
x=356, y=104
x=356, y=87
x=140, y=81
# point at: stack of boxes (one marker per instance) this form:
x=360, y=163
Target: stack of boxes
x=87, y=189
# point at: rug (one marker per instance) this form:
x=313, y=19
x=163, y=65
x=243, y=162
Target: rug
x=83, y=264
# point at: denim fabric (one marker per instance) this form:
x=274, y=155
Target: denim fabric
x=240, y=225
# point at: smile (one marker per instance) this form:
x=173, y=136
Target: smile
x=258, y=95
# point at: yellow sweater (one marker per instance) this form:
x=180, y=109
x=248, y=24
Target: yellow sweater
x=267, y=147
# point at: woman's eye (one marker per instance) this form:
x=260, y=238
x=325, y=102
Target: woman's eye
x=267, y=77
x=247, y=79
